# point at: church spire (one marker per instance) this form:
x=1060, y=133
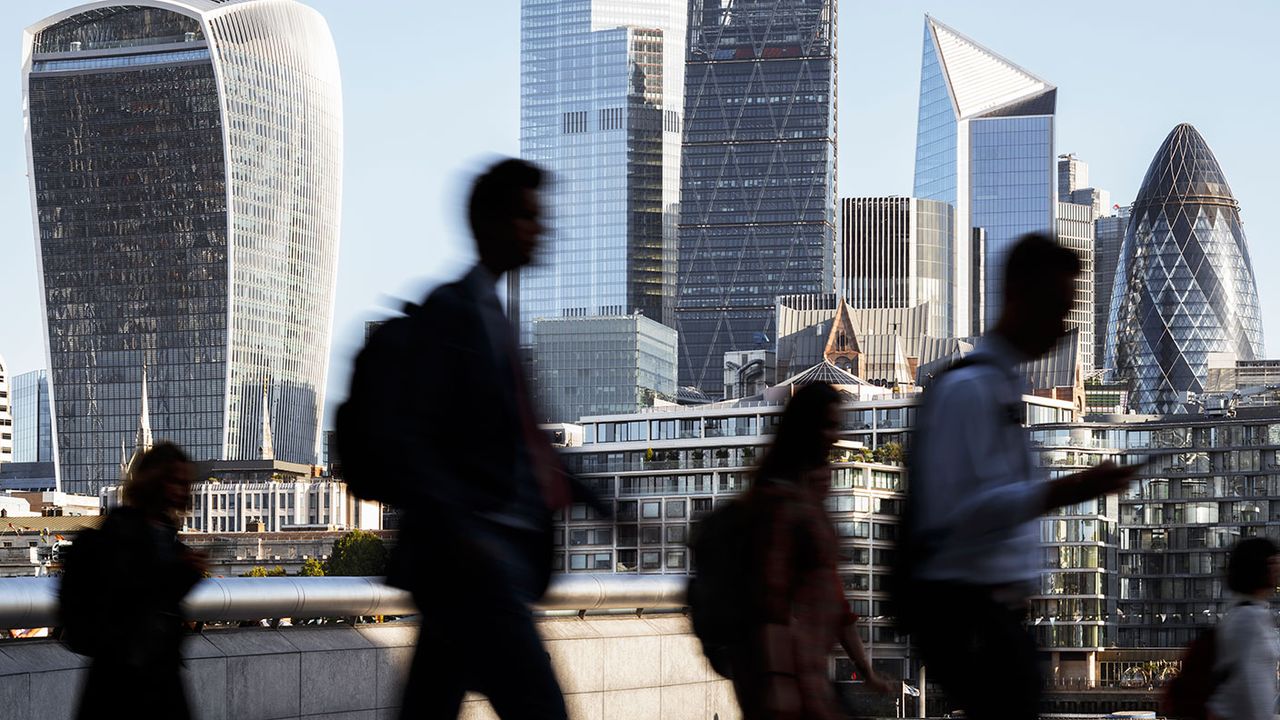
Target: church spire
x=143, y=440
x=267, y=450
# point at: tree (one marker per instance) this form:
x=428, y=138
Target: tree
x=260, y=571
x=889, y=453
x=311, y=567
x=357, y=553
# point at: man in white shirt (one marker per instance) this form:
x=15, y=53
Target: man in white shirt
x=976, y=497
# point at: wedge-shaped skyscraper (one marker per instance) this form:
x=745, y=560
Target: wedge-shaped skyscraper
x=984, y=144
x=185, y=169
x=1184, y=286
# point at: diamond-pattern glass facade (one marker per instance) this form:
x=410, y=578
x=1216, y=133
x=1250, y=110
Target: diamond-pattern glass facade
x=1184, y=286
x=757, y=213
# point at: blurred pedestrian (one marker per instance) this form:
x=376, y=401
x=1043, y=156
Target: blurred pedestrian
x=970, y=550
x=1246, y=644
x=798, y=606
x=121, y=593
x=477, y=479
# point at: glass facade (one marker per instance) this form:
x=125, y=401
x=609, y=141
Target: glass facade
x=1184, y=287
x=1011, y=189
x=1213, y=481
x=757, y=203
x=895, y=252
x=32, y=417
x=602, y=88
x=593, y=366
x=984, y=143
x=6, y=415
x=1108, y=235
x=210, y=263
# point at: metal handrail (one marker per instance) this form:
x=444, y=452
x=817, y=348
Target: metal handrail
x=33, y=602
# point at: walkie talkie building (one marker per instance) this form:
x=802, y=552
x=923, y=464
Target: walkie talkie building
x=185, y=162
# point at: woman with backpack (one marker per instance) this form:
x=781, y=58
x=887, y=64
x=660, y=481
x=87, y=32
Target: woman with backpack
x=1247, y=646
x=121, y=592
x=798, y=608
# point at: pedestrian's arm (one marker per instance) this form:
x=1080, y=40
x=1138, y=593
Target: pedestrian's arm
x=853, y=647
x=1102, y=479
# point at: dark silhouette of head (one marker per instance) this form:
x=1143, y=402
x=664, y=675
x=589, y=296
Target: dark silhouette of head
x=505, y=214
x=160, y=482
x=1250, y=567
x=1039, y=285
x=809, y=426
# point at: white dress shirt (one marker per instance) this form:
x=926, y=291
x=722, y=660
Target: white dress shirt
x=979, y=493
x=1247, y=650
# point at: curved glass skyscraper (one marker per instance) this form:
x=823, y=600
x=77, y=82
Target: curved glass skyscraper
x=185, y=167
x=1184, y=286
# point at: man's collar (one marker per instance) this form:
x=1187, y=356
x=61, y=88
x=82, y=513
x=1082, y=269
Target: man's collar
x=999, y=349
x=480, y=279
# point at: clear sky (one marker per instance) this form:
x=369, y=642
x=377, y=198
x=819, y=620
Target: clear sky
x=432, y=91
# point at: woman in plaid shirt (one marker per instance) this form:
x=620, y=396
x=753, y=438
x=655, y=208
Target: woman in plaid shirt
x=780, y=671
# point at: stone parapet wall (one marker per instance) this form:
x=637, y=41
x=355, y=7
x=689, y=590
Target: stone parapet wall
x=611, y=668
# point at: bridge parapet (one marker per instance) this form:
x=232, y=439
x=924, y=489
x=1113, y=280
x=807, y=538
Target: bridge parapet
x=620, y=645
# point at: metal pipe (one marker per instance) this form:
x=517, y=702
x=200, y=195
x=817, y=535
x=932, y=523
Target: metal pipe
x=32, y=602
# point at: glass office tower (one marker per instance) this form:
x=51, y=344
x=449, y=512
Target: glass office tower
x=601, y=96
x=1108, y=236
x=6, y=416
x=757, y=202
x=984, y=144
x=32, y=417
x=185, y=166
x=1184, y=287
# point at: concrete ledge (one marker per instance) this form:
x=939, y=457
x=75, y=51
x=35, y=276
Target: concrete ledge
x=611, y=668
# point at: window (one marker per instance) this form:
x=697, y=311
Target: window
x=626, y=561
x=676, y=534
x=675, y=559
x=650, y=560
x=579, y=511
x=627, y=535
x=626, y=510
x=651, y=510
x=675, y=508
x=651, y=535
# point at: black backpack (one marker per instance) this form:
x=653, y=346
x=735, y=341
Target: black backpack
x=381, y=377
x=719, y=593
x=914, y=547
x=84, y=615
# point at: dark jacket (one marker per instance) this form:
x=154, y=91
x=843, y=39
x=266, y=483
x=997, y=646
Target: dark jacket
x=144, y=577
x=457, y=435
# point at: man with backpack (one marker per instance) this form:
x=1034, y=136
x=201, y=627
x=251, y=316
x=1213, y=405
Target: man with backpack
x=971, y=528
x=440, y=423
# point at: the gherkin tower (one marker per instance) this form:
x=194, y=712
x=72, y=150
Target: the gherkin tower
x=1184, y=286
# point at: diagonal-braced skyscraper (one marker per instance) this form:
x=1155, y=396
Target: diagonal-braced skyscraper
x=984, y=144
x=758, y=178
x=185, y=161
x=1184, y=286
